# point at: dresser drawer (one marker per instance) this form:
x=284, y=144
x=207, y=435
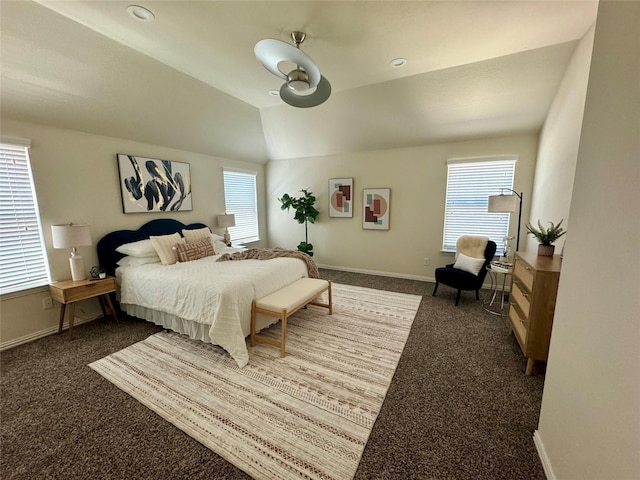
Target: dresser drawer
x=521, y=297
x=524, y=273
x=518, y=325
x=66, y=292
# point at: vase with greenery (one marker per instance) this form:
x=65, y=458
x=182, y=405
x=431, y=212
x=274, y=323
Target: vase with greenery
x=304, y=212
x=546, y=236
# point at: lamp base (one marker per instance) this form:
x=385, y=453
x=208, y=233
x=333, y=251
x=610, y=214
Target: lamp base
x=77, y=267
x=227, y=237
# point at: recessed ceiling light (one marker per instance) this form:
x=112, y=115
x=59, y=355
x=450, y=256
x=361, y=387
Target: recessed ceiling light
x=398, y=62
x=274, y=93
x=140, y=13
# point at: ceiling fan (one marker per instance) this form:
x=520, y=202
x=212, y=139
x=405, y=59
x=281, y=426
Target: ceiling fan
x=298, y=89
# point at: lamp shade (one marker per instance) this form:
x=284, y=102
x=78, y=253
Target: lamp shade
x=226, y=220
x=70, y=235
x=503, y=203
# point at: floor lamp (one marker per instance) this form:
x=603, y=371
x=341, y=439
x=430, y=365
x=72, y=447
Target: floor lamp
x=507, y=204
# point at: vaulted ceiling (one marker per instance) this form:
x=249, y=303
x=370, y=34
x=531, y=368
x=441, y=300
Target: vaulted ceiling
x=189, y=79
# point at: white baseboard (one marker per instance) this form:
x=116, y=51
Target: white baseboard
x=377, y=272
x=79, y=320
x=542, y=453
x=392, y=274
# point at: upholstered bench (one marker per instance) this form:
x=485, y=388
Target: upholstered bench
x=285, y=302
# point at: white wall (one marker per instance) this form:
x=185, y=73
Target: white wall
x=76, y=180
x=590, y=418
x=417, y=177
x=558, y=148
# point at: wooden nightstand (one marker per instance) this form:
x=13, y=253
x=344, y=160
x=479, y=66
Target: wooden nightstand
x=69, y=292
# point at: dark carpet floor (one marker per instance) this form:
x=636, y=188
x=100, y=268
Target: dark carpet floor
x=459, y=405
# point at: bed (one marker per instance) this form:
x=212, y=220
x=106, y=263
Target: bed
x=204, y=299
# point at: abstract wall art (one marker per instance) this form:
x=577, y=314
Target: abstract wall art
x=375, y=208
x=149, y=185
x=341, y=197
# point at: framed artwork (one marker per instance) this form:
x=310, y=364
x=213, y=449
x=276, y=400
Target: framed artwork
x=341, y=197
x=375, y=208
x=150, y=185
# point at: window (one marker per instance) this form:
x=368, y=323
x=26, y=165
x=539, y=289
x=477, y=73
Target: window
x=23, y=261
x=469, y=184
x=241, y=200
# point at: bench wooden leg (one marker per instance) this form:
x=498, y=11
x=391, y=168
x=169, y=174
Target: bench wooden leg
x=283, y=336
x=253, y=324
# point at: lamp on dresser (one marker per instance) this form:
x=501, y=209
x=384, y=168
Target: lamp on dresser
x=507, y=204
x=71, y=235
x=227, y=220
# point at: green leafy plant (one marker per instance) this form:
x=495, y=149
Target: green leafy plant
x=304, y=212
x=549, y=235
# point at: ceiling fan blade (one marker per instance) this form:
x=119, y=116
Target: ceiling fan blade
x=271, y=52
x=322, y=93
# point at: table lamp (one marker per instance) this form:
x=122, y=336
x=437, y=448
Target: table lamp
x=227, y=220
x=507, y=204
x=70, y=235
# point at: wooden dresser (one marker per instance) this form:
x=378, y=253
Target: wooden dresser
x=534, y=286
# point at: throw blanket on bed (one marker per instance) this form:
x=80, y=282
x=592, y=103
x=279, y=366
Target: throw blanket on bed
x=269, y=253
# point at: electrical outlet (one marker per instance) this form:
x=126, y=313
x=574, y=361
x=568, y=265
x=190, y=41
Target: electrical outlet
x=427, y=262
x=47, y=302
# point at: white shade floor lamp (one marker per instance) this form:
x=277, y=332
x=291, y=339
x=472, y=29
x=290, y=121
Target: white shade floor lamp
x=227, y=220
x=70, y=235
x=507, y=204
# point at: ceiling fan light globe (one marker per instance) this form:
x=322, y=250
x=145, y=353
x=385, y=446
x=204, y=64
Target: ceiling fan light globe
x=298, y=85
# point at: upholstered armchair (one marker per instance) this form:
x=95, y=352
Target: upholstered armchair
x=473, y=255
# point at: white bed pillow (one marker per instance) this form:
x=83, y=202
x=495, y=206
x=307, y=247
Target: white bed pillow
x=141, y=248
x=136, y=261
x=164, y=247
x=195, y=236
x=469, y=264
x=218, y=242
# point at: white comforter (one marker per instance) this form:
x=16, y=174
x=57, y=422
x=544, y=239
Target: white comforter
x=209, y=292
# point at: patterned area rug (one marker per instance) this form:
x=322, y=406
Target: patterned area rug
x=307, y=415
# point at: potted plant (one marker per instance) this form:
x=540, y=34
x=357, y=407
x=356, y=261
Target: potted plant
x=546, y=237
x=305, y=213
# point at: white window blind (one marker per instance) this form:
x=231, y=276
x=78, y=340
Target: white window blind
x=469, y=184
x=23, y=262
x=240, y=199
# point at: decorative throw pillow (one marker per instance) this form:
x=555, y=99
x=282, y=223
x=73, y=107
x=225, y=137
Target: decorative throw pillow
x=142, y=248
x=468, y=264
x=193, y=251
x=164, y=247
x=193, y=236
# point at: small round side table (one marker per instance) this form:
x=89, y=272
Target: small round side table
x=497, y=302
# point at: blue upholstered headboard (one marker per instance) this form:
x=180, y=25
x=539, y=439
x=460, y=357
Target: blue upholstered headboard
x=107, y=255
